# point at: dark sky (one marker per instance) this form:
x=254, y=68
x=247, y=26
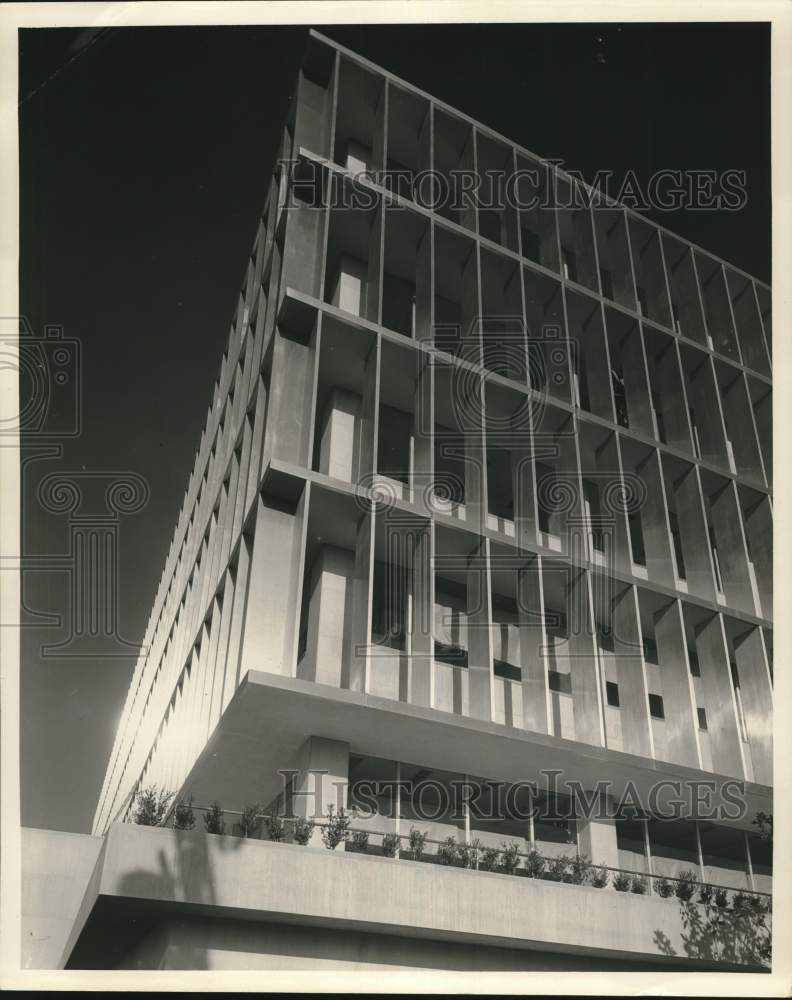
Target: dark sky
x=145, y=155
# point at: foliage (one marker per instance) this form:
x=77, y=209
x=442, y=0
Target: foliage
x=213, y=819
x=622, y=882
x=578, y=870
x=358, y=842
x=739, y=901
x=510, y=857
x=488, y=861
x=416, y=840
x=302, y=830
x=250, y=820
x=686, y=886
x=721, y=898
x=276, y=828
x=638, y=885
x=391, y=843
x=183, y=816
x=663, y=887
x=600, y=877
x=448, y=852
x=336, y=830
x=764, y=823
x=705, y=894
x=534, y=864
x=469, y=853
x=151, y=806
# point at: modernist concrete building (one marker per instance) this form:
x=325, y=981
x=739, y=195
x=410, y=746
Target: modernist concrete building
x=484, y=490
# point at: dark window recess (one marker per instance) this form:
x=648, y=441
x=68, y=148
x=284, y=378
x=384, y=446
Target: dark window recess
x=695, y=669
x=680, y=559
x=642, y=309
x=490, y=224
x=398, y=304
x=650, y=651
x=582, y=379
x=675, y=313
x=656, y=709
x=694, y=429
x=570, y=264
x=453, y=655
x=606, y=280
x=636, y=539
x=530, y=245
x=612, y=693
x=702, y=718
x=562, y=683
x=620, y=397
x=502, y=668
x=734, y=675
x=658, y=415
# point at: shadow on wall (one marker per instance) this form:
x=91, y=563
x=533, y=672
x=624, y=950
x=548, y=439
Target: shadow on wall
x=188, y=875
x=710, y=933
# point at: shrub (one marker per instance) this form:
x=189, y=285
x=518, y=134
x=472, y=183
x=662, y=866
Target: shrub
x=686, y=886
x=578, y=870
x=721, y=898
x=213, y=819
x=448, y=852
x=757, y=904
x=739, y=901
x=534, y=864
x=276, y=828
x=600, y=877
x=488, y=861
x=336, y=830
x=705, y=894
x=302, y=830
x=183, y=816
x=469, y=853
x=358, y=842
x=556, y=868
x=391, y=843
x=416, y=840
x=622, y=882
x=250, y=820
x=509, y=857
x=151, y=806
x=638, y=885
x=663, y=887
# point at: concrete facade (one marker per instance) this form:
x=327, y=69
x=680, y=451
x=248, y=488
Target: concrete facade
x=501, y=472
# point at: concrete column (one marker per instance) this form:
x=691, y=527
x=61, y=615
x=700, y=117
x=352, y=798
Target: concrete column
x=530, y=613
x=321, y=780
x=339, y=437
x=332, y=580
x=479, y=618
x=627, y=643
x=597, y=839
x=681, y=723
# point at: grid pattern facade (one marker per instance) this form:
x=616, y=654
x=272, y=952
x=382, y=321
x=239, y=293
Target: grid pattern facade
x=511, y=463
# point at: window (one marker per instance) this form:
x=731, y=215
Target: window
x=642, y=309
x=612, y=693
x=656, y=709
x=570, y=264
x=693, y=659
x=562, y=683
x=501, y=668
x=650, y=651
x=702, y=718
x=606, y=280
x=530, y=245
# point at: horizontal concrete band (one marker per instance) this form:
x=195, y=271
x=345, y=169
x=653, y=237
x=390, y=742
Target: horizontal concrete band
x=259, y=880
x=270, y=718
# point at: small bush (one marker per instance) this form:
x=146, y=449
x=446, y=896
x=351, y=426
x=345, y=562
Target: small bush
x=250, y=820
x=151, y=806
x=556, y=869
x=213, y=819
x=276, y=828
x=534, y=864
x=600, y=877
x=705, y=894
x=469, y=853
x=622, y=882
x=721, y=898
x=358, y=842
x=183, y=816
x=686, y=886
x=416, y=840
x=509, y=857
x=579, y=870
x=448, y=852
x=739, y=901
x=302, y=830
x=757, y=904
x=488, y=861
x=391, y=843
x=638, y=885
x=663, y=887
x=336, y=830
